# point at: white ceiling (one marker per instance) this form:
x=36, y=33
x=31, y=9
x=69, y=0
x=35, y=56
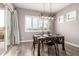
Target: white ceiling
x=40, y=6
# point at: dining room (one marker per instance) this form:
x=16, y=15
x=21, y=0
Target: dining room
x=44, y=29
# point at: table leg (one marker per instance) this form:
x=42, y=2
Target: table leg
x=42, y=45
x=63, y=45
x=63, y=48
x=56, y=49
x=38, y=47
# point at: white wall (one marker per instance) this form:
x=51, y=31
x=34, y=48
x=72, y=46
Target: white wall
x=21, y=13
x=69, y=29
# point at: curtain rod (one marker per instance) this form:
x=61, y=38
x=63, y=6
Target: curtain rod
x=11, y=8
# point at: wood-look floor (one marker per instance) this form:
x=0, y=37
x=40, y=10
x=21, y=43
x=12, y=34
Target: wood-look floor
x=1, y=47
x=25, y=49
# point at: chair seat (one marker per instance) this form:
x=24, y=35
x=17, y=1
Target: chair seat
x=49, y=43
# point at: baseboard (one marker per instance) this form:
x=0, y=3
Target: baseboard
x=75, y=45
x=27, y=41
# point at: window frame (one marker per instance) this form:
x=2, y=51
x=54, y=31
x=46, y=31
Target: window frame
x=61, y=19
x=68, y=18
x=38, y=27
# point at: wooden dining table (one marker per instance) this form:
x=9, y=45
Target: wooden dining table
x=42, y=38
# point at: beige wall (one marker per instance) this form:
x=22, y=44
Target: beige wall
x=21, y=14
x=69, y=29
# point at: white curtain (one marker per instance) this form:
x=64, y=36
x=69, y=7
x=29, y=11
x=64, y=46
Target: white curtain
x=15, y=28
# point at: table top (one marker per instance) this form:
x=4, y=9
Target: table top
x=47, y=36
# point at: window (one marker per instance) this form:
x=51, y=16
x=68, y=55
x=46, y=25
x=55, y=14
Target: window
x=61, y=19
x=35, y=23
x=1, y=18
x=71, y=16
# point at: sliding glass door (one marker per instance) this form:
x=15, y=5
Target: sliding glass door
x=7, y=28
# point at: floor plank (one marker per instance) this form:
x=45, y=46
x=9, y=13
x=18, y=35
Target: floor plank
x=25, y=49
x=1, y=47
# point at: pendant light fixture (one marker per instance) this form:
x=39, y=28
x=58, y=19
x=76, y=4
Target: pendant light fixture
x=50, y=15
x=42, y=17
x=50, y=12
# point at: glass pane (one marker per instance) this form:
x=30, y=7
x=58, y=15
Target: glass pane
x=28, y=22
x=35, y=23
x=1, y=18
x=72, y=14
x=61, y=20
x=40, y=23
x=45, y=24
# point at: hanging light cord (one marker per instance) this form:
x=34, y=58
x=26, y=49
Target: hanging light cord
x=44, y=7
x=50, y=9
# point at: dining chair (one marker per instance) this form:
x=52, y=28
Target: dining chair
x=34, y=41
x=60, y=40
x=52, y=42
